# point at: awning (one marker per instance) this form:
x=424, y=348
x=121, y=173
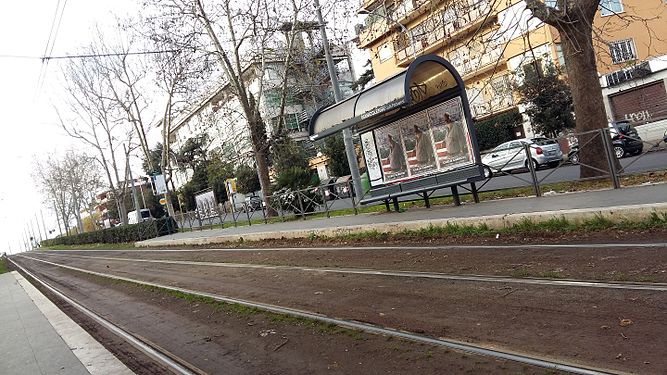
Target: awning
x=426, y=77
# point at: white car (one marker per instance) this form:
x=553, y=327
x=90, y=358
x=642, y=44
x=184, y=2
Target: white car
x=144, y=215
x=511, y=155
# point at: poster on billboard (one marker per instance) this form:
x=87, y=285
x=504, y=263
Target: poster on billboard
x=206, y=204
x=371, y=156
x=392, y=152
x=418, y=141
x=431, y=141
x=451, y=136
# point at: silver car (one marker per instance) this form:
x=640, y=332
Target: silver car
x=511, y=155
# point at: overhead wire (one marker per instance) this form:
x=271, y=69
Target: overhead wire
x=50, y=43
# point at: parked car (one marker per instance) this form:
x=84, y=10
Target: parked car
x=510, y=155
x=144, y=215
x=624, y=139
x=253, y=203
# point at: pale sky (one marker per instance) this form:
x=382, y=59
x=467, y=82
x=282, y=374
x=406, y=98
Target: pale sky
x=29, y=123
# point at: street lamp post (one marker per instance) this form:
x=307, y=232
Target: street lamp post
x=347, y=133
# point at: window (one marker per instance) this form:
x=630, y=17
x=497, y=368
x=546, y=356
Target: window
x=550, y=3
x=561, y=57
x=272, y=98
x=622, y=51
x=384, y=52
x=609, y=7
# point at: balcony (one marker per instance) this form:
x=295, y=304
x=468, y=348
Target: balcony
x=382, y=19
x=443, y=28
x=492, y=106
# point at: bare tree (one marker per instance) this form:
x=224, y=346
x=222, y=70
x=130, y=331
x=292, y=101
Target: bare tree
x=97, y=122
x=179, y=74
x=126, y=77
x=70, y=181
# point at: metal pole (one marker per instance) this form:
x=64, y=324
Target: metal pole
x=134, y=188
x=347, y=133
x=533, y=173
x=611, y=159
x=46, y=233
x=55, y=209
x=38, y=228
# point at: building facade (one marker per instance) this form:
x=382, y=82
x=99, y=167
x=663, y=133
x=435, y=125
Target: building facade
x=491, y=44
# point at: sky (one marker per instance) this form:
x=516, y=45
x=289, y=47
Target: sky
x=29, y=124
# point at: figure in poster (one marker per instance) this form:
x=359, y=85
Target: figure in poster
x=455, y=139
x=424, y=147
x=396, y=158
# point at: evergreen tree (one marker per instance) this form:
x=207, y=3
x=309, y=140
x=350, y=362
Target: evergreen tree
x=548, y=100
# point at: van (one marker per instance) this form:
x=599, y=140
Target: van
x=144, y=215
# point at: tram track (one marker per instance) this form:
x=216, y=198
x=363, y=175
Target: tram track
x=366, y=327
x=151, y=350
x=659, y=287
x=387, y=248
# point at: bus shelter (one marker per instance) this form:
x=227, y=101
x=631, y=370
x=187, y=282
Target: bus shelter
x=416, y=132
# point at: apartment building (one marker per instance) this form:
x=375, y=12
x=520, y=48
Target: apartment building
x=632, y=60
x=492, y=43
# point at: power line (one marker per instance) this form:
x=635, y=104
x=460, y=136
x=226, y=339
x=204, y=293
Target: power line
x=93, y=55
x=85, y=56
x=50, y=43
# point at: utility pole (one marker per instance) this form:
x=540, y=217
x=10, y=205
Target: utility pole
x=38, y=229
x=55, y=209
x=46, y=233
x=347, y=133
x=134, y=188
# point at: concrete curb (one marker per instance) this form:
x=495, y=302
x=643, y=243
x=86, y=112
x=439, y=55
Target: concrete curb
x=615, y=214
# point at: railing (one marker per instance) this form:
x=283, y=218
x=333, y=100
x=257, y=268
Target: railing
x=284, y=205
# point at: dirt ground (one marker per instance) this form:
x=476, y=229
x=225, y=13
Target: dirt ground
x=652, y=235
x=587, y=263
x=581, y=325
x=218, y=340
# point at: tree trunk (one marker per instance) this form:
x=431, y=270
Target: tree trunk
x=588, y=102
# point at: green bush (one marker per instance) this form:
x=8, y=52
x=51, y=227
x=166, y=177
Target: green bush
x=497, y=129
x=125, y=233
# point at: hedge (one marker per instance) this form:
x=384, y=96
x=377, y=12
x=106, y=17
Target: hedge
x=498, y=129
x=124, y=233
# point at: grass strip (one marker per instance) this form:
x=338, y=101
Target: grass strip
x=526, y=226
x=93, y=246
x=3, y=266
x=236, y=309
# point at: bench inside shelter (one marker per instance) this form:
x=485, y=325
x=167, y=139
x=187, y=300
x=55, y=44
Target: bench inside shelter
x=416, y=133
x=424, y=188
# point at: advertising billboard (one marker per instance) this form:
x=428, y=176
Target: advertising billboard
x=430, y=141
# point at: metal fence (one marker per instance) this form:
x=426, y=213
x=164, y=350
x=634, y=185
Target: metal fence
x=284, y=205
x=323, y=200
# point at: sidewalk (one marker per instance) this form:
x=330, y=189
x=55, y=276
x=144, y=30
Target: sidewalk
x=38, y=338
x=628, y=203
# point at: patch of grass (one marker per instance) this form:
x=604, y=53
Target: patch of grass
x=244, y=311
x=95, y=246
x=3, y=266
x=525, y=226
x=647, y=278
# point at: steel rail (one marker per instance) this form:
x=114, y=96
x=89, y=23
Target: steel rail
x=658, y=287
x=366, y=327
x=159, y=355
x=415, y=248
